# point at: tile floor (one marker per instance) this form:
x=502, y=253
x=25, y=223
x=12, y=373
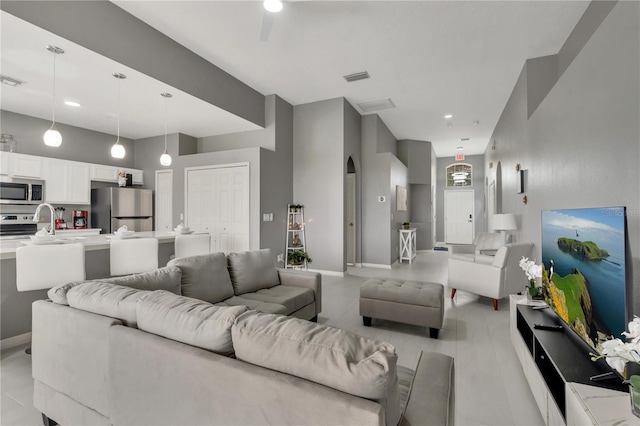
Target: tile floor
x=490, y=386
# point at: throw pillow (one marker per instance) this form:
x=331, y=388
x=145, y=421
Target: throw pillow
x=189, y=321
x=252, y=271
x=204, y=277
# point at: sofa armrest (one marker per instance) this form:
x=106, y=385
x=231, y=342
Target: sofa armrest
x=431, y=399
x=306, y=279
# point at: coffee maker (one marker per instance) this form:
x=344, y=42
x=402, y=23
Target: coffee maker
x=80, y=220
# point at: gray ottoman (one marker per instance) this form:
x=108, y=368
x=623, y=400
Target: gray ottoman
x=409, y=302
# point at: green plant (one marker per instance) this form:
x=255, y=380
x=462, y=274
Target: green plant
x=406, y=223
x=297, y=257
x=296, y=206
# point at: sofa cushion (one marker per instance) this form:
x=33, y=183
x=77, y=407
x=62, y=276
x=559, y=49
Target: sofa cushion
x=107, y=299
x=167, y=278
x=332, y=357
x=58, y=294
x=257, y=305
x=188, y=320
x=293, y=298
x=205, y=277
x=251, y=271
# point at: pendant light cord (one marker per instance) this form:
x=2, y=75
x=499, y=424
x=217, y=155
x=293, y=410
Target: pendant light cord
x=53, y=104
x=118, y=138
x=165, y=123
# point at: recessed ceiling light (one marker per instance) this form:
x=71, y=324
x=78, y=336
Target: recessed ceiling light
x=72, y=103
x=448, y=116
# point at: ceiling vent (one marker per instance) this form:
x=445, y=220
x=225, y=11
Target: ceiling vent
x=10, y=81
x=376, y=105
x=357, y=76
x=464, y=139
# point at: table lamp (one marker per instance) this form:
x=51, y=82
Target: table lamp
x=503, y=223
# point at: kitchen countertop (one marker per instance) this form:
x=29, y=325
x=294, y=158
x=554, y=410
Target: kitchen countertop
x=91, y=242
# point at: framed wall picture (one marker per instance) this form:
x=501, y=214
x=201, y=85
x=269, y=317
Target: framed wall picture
x=401, y=198
x=520, y=181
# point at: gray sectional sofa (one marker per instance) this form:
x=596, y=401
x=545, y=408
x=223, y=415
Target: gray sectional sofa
x=137, y=351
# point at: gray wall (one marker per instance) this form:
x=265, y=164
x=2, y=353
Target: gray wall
x=78, y=144
x=276, y=170
x=381, y=172
x=353, y=149
x=104, y=28
x=318, y=179
x=477, y=184
x=418, y=156
x=580, y=148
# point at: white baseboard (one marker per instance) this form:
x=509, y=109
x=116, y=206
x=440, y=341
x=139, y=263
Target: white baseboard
x=376, y=265
x=323, y=272
x=12, y=342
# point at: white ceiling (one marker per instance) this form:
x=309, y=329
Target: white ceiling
x=430, y=57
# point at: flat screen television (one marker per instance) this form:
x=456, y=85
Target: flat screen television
x=584, y=274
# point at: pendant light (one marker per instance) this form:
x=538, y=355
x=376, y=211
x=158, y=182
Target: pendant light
x=117, y=150
x=52, y=137
x=273, y=6
x=165, y=158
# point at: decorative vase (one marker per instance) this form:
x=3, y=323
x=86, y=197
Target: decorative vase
x=634, y=394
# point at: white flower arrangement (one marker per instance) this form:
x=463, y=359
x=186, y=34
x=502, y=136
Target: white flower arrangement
x=530, y=268
x=618, y=353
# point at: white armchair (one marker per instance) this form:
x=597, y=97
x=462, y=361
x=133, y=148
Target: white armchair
x=497, y=279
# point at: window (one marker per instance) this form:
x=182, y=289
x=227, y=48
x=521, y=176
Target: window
x=459, y=174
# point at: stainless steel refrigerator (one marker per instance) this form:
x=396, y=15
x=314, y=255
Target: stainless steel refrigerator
x=112, y=208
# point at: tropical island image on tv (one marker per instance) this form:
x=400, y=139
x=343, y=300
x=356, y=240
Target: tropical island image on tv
x=583, y=253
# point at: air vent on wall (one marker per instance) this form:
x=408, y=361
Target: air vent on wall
x=10, y=81
x=371, y=106
x=357, y=76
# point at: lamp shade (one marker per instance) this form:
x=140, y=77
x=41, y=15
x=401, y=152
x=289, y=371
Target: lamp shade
x=504, y=222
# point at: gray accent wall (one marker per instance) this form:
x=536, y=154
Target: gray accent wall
x=104, y=28
x=381, y=172
x=318, y=179
x=580, y=148
x=78, y=144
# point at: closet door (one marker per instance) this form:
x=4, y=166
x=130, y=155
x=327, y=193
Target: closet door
x=164, y=200
x=217, y=202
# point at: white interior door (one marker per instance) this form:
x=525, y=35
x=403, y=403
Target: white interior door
x=351, y=218
x=232, y=223
x=217, y=202
x=458, y=217
x=164, y=200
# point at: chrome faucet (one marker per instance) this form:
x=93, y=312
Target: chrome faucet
x=36, y=217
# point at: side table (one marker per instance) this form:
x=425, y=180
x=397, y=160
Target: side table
x=407, y=244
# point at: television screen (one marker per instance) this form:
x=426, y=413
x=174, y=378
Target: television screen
x=583, y=254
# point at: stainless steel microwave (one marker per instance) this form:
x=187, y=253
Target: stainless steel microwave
x=21, y=191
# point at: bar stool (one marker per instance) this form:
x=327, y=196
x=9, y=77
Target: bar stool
x=192, y=245
x=133, y=255
x=41, y=267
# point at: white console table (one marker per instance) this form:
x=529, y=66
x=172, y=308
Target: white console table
x=584, y=404
x=407, y=244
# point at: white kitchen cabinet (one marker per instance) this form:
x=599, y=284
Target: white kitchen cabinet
x=26, y=166
x=5, y=158
x=104, y=173
x=67, y=182
x=137, y=176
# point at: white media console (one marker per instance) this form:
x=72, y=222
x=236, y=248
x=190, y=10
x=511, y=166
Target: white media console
x=558, y=372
